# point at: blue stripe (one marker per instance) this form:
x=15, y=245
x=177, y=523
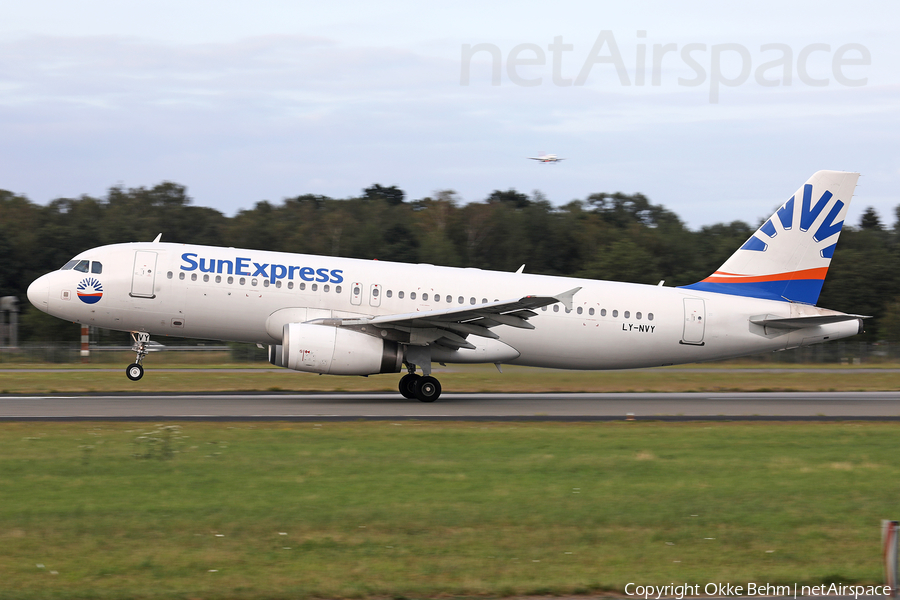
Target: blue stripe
x=828, y=227
x=768, y=228
x=786, y=214
x=809, y=213
x=754, y=243
x=829, y=251
x=797, y=290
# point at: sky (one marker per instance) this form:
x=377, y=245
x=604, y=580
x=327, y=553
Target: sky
x=718, y=111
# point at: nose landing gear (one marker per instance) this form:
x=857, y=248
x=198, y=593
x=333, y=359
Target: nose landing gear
x=141, y=340
x=423, y=388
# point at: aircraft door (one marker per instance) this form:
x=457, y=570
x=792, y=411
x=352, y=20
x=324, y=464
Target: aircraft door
x=356, y=293
x=375, y=295
x=144, y=277
x=694, y=321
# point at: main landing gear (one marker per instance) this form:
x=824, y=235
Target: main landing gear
x=141, y=340
x=423, y=388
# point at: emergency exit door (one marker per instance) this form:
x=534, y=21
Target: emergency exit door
x=144, y=276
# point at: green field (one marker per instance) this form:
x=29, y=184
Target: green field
x=456, y=378
x=391, y=510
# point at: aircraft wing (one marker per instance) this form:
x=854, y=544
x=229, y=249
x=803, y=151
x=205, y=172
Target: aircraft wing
x=450, y=326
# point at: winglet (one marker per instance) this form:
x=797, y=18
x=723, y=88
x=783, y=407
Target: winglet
x=158, y=237
x=520, y=269
x=566, y=297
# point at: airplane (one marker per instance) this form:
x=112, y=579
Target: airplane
x=347, y=316
x=546, y=158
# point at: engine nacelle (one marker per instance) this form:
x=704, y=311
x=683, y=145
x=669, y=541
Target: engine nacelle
x=334, y=351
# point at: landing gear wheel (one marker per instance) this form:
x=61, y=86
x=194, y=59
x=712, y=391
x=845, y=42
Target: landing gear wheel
x=408, y=385
x=141, y=340
x=428, y=389
x=134, y=371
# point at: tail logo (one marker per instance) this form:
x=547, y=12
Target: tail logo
x=808, y=215
x=89, y=290
x=788, y=257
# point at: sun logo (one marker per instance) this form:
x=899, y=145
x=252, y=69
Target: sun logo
x=89, y=290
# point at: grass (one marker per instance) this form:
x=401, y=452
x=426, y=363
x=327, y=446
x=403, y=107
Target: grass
x=217, y=378
x=422, y=510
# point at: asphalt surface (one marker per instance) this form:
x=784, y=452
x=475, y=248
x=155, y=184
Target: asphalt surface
x=512, y=407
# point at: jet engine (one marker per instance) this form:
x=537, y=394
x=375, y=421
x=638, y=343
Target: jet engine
x=334, y=351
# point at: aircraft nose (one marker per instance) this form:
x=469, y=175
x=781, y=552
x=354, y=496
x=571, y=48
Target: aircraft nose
x=39, y=293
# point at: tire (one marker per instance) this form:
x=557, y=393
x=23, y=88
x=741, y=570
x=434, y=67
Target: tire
x=134, y=371
x=428, y=389
x=408, y=385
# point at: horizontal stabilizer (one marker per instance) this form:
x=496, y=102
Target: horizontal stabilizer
x=775, y=322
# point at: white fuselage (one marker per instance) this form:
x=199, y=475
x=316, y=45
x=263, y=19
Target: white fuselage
x=183, y=290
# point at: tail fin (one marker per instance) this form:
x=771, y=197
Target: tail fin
x=787, y=258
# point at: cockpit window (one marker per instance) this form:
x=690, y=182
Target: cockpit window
x=68, y=265
x=96, y=267
x=82, y=266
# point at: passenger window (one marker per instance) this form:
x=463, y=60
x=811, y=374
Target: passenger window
x=650, y=316
x=181, y=276
x=169, y=275
x=374, y=292
x=424, y=297
x=265, y=283
x=461, y=299
x=82, y=266
x=544, y=308
x=437, y=297
x=243, y=280
x=389, y=293
x=96, y=267
x=556, y=308
x=206, y=279
x=278, y=284
x=580, y=310
x=449, y=299
x=484, y=300
x=412, y=295
x=69, y=265
x=637, y=316
x=193, y=277
x=627, y=314
x=591, y=311
x=337, y=289
x=602, y=312
x=355, y=290
x=254, y=282
x=290, y=285
x=472, y=301
x=302, y=286
x=230, y=280
x=327, y=288
x=400, y=295
x=314, y=287
x=615, y=313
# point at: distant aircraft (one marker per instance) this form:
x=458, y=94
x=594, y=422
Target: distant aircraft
x=546, y=158
x=347, y=316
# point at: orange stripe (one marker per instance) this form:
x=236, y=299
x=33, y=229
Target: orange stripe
x=818, y=273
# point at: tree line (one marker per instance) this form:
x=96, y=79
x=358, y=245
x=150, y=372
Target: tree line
x=616, y=236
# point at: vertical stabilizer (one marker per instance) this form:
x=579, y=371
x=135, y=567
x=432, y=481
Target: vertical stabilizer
x=788, y=256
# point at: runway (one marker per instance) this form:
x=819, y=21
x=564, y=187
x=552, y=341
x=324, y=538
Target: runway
x=481, y=407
